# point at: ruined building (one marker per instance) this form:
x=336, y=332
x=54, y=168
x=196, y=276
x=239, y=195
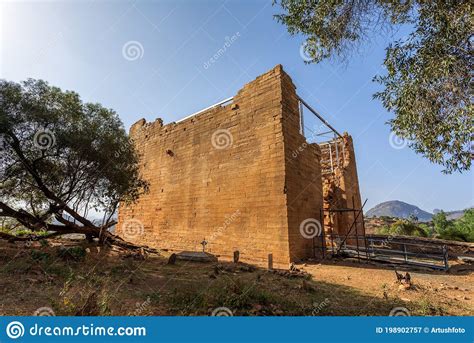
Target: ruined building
x=240, y=176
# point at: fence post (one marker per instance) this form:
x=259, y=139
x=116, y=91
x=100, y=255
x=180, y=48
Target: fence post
x=405, y=252
x=445, y=257
x=371, y=247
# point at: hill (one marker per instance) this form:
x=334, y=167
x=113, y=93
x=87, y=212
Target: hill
x=398, y=209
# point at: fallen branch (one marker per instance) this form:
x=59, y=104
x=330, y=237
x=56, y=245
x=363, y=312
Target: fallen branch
x=54, y=230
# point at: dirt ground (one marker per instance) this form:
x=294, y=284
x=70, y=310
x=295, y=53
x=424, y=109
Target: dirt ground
x=444, y=289
x=87, y=280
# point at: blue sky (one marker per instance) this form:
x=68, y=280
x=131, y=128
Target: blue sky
x=81, y=46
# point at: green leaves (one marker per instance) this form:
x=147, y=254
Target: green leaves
x=61, y=150
x=461, y=229
x=427, y=83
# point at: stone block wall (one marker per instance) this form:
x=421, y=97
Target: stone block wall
x=303, y=181
x=225, y=176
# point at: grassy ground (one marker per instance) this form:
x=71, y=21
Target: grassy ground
x=105, y=282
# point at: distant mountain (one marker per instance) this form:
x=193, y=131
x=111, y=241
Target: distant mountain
x=398, y=209
x=452, y=215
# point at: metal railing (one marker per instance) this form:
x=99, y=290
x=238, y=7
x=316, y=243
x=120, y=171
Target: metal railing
x=220, y=103
x=332, y=150
x=313, y=111
x=393, y=251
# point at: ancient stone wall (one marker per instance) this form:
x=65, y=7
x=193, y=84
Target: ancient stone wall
x=242, y=177
x=225, y=176
x=303, y=182
x=341, y=189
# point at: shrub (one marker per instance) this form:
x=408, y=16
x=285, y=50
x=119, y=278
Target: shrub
x=407, y=228
x=465, y=225
x=456, y=230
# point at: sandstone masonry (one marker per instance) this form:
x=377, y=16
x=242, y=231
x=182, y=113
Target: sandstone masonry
x=228, y=176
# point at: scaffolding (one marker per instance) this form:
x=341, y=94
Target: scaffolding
x=338, y=242
x=354, y=243
x=334, y=151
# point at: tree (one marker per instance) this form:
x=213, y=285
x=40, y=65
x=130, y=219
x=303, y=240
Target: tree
x=465, y=224
x=427, y=84
x=441, y=222
x=458, y=230
x=60, y=159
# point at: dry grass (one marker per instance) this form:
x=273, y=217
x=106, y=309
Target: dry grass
x=110, y=283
